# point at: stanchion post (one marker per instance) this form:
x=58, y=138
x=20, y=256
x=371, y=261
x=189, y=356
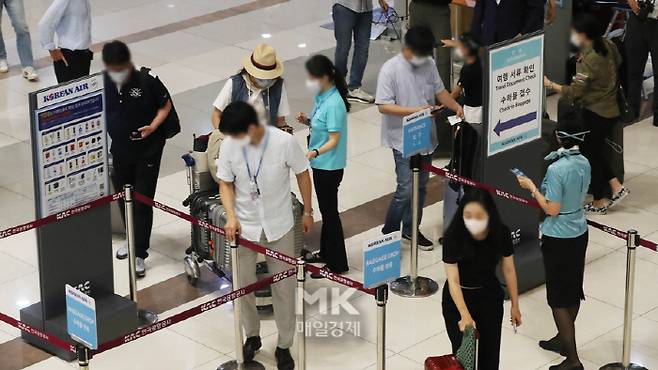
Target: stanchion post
x=381, y=297
x=632, y=242
x=145, y=317
x=239, y=362
x=301, y=314
x=84, y=355
x=413, y=285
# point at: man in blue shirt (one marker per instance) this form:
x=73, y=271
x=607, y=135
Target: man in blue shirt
x=409, y=83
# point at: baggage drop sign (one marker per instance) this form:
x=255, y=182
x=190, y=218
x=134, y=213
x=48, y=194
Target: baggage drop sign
x=515, y=93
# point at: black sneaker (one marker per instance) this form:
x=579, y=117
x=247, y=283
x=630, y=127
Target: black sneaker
x=424, y=244
x=251, y=346
x=284, y=360
x=554, y=345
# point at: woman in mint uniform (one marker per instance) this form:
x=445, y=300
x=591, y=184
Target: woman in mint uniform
x=328, y=154
x=565, y=235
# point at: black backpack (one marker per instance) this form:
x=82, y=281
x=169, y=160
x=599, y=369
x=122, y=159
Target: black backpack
x=171, y=124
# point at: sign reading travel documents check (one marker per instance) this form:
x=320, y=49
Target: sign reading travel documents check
x=417, y=133
x=381, y=260
x=81, y=317
x=516, y=77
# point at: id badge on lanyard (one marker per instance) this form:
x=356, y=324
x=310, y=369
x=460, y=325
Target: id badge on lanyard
x=254, y=190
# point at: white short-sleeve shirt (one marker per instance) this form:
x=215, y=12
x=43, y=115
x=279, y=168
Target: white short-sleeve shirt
x=272, y=211
x=402, y=84
x=255, y=99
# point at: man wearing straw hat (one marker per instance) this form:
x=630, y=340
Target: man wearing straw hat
x=260, y=84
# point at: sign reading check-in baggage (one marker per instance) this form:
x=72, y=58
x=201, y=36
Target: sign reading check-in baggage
x=71, y=145
x=417, y=133
x=515, y=94
x=381, y=260
x=81, y=317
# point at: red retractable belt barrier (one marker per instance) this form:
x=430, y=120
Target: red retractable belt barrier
x=529, y=202
x=38, y=333
x=253, y=246
x=60, y=215
x=194, y=311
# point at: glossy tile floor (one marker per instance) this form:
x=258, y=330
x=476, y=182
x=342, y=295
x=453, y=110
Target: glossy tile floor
x=193, y=59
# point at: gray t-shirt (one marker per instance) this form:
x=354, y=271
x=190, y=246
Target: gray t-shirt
x=359, y=6
x=402, y=84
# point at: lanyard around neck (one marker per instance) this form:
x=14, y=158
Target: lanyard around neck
x=254, y=178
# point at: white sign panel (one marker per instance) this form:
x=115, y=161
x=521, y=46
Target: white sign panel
x=515, y=94
x=70, y=141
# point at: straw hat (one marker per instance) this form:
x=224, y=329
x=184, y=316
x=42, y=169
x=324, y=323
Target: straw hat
x=263, y=63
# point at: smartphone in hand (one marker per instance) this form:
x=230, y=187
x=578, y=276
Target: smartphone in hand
x=517, y=172
x=135, y=135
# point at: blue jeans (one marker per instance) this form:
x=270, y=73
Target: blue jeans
x=16, y=13
x=346, y=23
x=400, y=208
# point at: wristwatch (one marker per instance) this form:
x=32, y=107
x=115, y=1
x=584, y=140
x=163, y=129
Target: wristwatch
x=317, y=153
x=309, y=213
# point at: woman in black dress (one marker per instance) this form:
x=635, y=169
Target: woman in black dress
x=475, y=242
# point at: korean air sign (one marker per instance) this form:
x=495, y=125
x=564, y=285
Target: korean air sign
x=69, y=91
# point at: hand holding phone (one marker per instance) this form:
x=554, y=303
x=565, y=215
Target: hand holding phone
x=135, y=135
x=453, y=120
x=517, y=172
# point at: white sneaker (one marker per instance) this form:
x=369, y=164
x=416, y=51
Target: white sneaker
x=30, y=74
x=122, y=253
x=140, y=267
x=4, y=66
x=360, y=96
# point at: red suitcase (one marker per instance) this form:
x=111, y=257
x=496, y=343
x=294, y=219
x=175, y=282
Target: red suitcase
x=446, y=362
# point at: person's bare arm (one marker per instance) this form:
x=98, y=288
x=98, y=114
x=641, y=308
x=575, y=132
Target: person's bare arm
x=305, y=188
x=454, y=286
x=549, y=207
x=216, y=117
x=227, y=194
x=445, y=99
x=398, y=110
x=334, y=138
x=456, y=92
x=635, y=7
x=509, y=272
x=160, y=117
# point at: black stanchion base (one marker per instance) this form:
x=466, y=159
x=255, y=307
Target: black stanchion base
x=620, y=366
x=421, y=287
x=233, y=365
x=146, y=317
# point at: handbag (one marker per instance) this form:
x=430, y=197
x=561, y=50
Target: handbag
x=467, y=354
x=171, y=124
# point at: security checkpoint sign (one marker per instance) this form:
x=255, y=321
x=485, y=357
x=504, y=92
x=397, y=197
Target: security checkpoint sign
x=417, y=133
x=381, y=260
x=81, y=317
x=515, y=94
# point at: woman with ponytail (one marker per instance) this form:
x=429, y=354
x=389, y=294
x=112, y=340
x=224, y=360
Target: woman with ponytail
x=328, y=155
x=595, y=86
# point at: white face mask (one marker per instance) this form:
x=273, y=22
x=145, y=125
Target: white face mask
x=243, y=141
x=119, y=77
x=313, y=86
x=475, y=226
x=575, y=40
x=263, y=83
x=418, y=61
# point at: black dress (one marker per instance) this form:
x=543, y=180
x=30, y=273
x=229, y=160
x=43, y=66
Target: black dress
x=477, y=261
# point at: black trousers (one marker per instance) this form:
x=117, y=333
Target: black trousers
x=486, y=308
x=640, y=41
x=594, y=147
x=142, y=174
x=79, y=63
x=332, y=244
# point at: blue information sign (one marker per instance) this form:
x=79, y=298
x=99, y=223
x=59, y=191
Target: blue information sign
x=81, y=317
x=381, y=260
x=417, y=133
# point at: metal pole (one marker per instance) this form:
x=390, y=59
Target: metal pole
x=301, y=315
x=381, y=297
x=632, y=242
x=238, y=363
x=414, y=285
x=84, y=355
x=145, y=317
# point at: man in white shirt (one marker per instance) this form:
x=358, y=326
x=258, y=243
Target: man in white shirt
x=254, y=171
x=409, y=83
x=70, y=20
